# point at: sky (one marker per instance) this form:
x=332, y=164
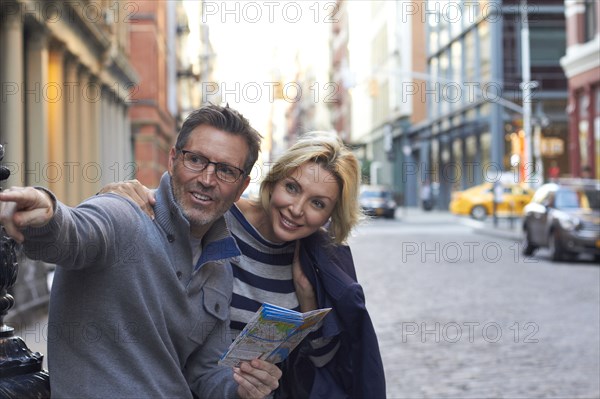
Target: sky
x=255, y=39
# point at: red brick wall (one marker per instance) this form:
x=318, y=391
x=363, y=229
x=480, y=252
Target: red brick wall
x=152, y=125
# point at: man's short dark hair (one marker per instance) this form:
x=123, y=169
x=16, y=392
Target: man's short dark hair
x=226, y=119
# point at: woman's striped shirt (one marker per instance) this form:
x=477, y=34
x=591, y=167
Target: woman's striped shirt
x=264, y=274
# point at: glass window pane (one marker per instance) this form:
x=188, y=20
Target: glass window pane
x=547, y=44
x=485, y=47
x=470, y=53
x=457, y=95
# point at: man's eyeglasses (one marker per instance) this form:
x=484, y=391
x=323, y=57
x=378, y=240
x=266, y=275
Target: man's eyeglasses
x=224, y=172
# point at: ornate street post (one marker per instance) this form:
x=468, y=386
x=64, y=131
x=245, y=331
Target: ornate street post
x=21, y=373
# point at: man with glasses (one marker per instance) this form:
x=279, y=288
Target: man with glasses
x=140, y=307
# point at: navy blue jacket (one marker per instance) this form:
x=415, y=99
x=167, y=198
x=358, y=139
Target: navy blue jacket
x=356, y=371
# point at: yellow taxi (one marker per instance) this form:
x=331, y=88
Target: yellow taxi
x=478, y=201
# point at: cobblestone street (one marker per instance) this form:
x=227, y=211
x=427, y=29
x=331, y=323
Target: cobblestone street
x=464, y=315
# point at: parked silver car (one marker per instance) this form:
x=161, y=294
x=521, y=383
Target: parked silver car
x=377, y=201
x=564, y=217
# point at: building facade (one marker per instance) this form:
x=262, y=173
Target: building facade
x=153, y=110
x=66, y=82
x=380, y=52
x=582, y=67
x=170, y=48
x=340, y=103
x=474, y=129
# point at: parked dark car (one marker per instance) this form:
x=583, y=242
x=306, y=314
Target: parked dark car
x=564, y=217
x=377, y=201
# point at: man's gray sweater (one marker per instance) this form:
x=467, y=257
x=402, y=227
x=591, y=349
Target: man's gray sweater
x=130, y=315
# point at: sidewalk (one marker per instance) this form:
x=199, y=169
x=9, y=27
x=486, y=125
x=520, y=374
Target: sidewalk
x=415, y=215
x=505, y=228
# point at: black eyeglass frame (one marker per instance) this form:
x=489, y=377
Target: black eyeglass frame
x=209, y=162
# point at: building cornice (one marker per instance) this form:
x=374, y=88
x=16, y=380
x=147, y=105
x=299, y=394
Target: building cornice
x=572, y=8
x=100, y=38
x=581, y=58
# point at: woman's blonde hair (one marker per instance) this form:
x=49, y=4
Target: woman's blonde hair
x=327, y=150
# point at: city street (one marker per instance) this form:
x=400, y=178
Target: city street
x=461, y=314
x=461, y=107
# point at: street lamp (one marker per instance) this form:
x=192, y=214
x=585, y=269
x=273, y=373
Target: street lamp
x=526, y=86
x=21, y=373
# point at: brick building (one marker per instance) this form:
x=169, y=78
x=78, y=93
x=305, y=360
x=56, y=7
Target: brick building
x=582, y=67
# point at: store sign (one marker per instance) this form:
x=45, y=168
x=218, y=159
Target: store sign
x=552, y=146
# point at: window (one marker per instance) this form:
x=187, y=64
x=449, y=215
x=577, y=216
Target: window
x=485, y=58
x=471, y=149
x=433, y=29
x=470, y=54
x=583, y=127
x=567, y=199
x=547, y=44
x=433, y=106
x=590, y=23
x=485, y=141
x=457, y=91
x=456, y=173
x=444, y=77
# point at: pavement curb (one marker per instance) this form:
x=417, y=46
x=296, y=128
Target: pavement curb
x=511, y=235
x=417, y=216
x=487, y=228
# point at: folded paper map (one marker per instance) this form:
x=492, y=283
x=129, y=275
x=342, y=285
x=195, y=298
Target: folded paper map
x=271, y=334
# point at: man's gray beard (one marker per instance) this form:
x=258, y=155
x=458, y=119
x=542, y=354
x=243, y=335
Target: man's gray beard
x=202, y=220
